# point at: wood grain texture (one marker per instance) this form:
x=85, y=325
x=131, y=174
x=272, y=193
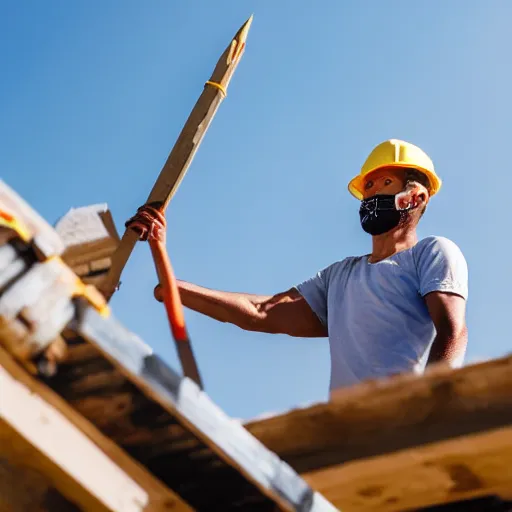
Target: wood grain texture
x=390, y=443
x=32, y=432
x=83, y=465
x=462, y=468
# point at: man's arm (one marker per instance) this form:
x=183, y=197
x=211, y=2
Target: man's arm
x=283, y=313
x=448, y=312
x=443, y=282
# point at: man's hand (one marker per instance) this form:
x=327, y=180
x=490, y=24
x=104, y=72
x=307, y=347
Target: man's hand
x=283, y=313
x=448, y=312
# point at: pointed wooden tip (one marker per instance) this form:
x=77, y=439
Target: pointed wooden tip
x=241, y=35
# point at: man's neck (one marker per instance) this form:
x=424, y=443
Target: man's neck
x=388, y=244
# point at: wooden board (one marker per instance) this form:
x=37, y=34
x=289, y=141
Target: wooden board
x=463, y=468
x=393, y=414
x=182, y=154
x=90, y=239
x=356, y=437
x=39, y=431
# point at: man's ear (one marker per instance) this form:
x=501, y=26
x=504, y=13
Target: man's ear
x=420, y=196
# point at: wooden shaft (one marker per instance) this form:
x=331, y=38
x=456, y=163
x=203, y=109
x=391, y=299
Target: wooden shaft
x=184, y=150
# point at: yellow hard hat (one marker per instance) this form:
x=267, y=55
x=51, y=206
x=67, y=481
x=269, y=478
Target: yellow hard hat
x=395, y=153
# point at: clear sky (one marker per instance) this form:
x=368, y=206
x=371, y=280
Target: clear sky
x=93, y=95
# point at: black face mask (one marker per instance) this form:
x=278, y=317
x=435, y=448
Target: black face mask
x=378, y=214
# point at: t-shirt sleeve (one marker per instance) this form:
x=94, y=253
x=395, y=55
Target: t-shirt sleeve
x=314, y=290
x=442, y=267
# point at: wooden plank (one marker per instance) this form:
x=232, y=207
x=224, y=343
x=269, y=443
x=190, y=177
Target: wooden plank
x=40, y=431
x=32, y=432
x=184, y=150
x=45, y=239
x=440, y=473
x=90, y=238
x=388, y=415
x=381, y=438
x=37, y=308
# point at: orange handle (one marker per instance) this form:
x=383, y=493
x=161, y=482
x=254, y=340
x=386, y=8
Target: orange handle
x=170, y=292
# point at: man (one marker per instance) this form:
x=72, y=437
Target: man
x=392, y=311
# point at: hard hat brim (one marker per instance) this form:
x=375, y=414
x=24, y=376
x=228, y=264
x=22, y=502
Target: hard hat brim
x=356, y=187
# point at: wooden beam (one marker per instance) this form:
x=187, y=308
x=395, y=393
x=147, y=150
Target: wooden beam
x=32, y=432
x=388, y=415
x=90, y=239
x=459, y=469
x=40, y=431
x=408, y=417
x=184, y=150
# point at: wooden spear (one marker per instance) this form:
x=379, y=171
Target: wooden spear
x=183, y=152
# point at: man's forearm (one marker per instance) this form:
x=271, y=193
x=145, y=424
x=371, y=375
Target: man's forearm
x=282, y=313
x=448, y=347
x=236, y=308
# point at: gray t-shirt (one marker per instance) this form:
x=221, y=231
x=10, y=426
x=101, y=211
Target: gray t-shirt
x=376, y=315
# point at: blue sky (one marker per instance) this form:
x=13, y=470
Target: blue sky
x=94, y=94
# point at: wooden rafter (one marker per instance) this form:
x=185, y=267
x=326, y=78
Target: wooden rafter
x=407, y=440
